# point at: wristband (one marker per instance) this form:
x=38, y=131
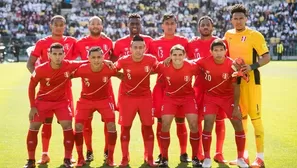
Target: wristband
x=255, y=66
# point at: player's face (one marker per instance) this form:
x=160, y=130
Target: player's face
x=177, y=57
x=137, y=49
x=238, y=20
x=219, y=53
x=95, y=27
x=96, y=58
x=58, y=27
x=134, y=26
x=169, y=26
x=56, y=56
x=205, y=27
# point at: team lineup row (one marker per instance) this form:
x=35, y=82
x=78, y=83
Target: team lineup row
x=215, y=94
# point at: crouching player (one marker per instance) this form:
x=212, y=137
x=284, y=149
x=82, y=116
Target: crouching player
x=95, y=95
x=221, y=96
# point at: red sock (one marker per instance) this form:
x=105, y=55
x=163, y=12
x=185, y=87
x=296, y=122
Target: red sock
x=79, y=140
x=200, y=145
x=46, y=134
x=158, y=134
x=68, y=143
x=194, y=141
x=148, y=138
x=165, y=142
x=112, y=138
x=206, y=140
x=32, y=143
x=125, y=139
x=220, y=131
x=143, y=137
x=182, y=135
x=106, y=137
x=88, y=133
x=240, y=143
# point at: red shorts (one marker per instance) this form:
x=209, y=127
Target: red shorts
x=218, y=105
x=70, y=98
x=112, y=98
x=46, y=108
x=85, y=108
x=129, y=106
x=158, y=94
x=183, y=106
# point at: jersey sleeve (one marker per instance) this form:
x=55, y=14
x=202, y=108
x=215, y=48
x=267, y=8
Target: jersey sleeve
x=37, y=52
x=118, y=64
x=76, y=51
x=159, y=67
x=154, y=62
x=259, y=43
x=116, y=50
x=34, y=80
x=75, y=64
x=77, y=72
x=190, y=52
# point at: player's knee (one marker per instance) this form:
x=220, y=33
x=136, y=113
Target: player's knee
x=35, y=126
x=193, y=126
x=111, y=126
x=208, y=122
x=258, y=126
x=66, y=124
x=237, y=124
x=179, y=120
x=48, y=120
x=165, y=126
x=159, y=120
x=78, y=127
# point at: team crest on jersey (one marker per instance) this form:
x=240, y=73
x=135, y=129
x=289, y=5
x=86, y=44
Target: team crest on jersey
x=47, y=81
x=186, y=78
x=66, y=74
x=225, y=76
x=105, y=47
x=86, y=81
x=146, y=68
x=243, y=38
x=104, y=79
x=66, y=46
x=87, y=48
x=128, y=71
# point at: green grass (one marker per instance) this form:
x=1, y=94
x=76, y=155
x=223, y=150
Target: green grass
x=279, y=80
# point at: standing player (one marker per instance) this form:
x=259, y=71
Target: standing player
x=53, y=77
x=179, y=97
x=135, y=97
x=81, y=49
x=160, y=48
x=221, y=96
x=95, y=95
x=199, y=47
x=250, y=45
x=40, y=53
x=122, y=45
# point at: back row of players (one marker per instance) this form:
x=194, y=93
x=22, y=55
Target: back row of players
x=173, y=95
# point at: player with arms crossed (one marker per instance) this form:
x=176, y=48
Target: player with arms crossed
x=179, y=97
x=95, y=95
x=81, y=49
x=221, y=96
x=40, y=55
x=53, y=77
x=160, y=48
x=199, y=47
x=249, y=45
x=135, y=97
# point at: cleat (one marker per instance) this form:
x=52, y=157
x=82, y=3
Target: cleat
x=44, y=159
x=30, y=164
x=89, y=156
x=234, y=162
x=219, y=158
x=67, y=163
x=258, y=163
x=206, y=163
x=196, y=162
x=124, y=162
x=184, y=158
x=241, y=163
x=158, y=160
x=80, y=162
x=105, y=155
x=163, y=162
x=110, y=163
x=200, y=157
x=150, y=163
x=73, y=160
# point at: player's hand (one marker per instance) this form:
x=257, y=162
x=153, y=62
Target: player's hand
x=236, y=114
x=246, y=68
x=109, y=64
x=167, y=61
x=32, y=113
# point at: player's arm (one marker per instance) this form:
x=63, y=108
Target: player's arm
x=118, y=67
x=31, y=63
x=35, y=54
x=236, y=112
x=34, y=80
x=115, y=52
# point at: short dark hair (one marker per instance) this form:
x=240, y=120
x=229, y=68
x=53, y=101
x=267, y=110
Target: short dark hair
x=168, y=16
x=239, y=8
x=134, y=15
x=56, y=46
x=95, y=49
x=137, y=38
x=217, y=42
x=178, y=47
x=205, y=18
x=58, y=17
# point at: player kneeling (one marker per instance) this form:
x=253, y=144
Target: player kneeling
x=221, y=96
x=95, y=96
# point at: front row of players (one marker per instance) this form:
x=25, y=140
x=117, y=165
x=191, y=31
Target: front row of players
x=221, y=96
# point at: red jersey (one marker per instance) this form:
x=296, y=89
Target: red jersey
x=178, y=81
x=84, y=44
x=53, y=82
x=136, y=81
x=122, y=45
x=94, y=84
x=161, y=46
x=199, y=48
x=217, y=77
x=42, y=47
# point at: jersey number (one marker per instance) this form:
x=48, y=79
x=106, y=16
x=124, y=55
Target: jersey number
x=129, y=76
x=207, y=77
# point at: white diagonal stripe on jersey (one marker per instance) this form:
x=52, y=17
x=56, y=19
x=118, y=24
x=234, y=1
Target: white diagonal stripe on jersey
x=218, y=84
x=88, y=94
x=179, y=88
x=53, y=88
x=140, y=81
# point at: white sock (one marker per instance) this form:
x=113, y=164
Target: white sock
x=260, y=155
x=245, y=154
x=45, y=153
